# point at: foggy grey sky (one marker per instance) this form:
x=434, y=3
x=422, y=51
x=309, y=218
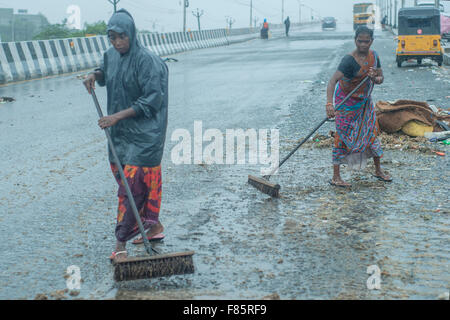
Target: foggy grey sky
x=166, y=15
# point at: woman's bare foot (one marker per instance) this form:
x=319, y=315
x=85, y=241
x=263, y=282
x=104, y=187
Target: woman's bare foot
x=338, y=182
x=379, y=174
x=153, y=231
x=120, y=256
x=382, y=176
x=120, y=253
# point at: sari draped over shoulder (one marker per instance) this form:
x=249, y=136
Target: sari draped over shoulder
x=356, y=124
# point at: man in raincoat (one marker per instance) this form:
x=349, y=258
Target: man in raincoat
x=137, y=98
x=287, y=24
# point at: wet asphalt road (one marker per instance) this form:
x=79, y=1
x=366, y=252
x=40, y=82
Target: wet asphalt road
x=58, y=197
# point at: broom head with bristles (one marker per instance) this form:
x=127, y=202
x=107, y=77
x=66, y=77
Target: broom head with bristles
x=154, y=266
x=265, y=186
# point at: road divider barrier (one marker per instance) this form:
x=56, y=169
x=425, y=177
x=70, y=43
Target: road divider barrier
x=27, y=60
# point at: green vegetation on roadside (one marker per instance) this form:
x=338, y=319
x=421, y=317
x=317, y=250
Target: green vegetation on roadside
x=61, y=30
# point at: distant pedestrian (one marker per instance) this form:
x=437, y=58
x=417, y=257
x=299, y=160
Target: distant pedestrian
x=356, y=125
x=137, y=102
x=383, y=22
x=287, y=24
x=265, y=30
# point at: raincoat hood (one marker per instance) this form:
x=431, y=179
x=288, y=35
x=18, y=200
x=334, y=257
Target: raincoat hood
x=123, y=22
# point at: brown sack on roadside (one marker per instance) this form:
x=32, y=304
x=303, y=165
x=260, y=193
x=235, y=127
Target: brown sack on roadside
x=393, y=116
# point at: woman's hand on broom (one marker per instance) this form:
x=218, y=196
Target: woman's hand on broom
x=330, y=110
x=376, y=75
x=112, y=120
x=372, y=73
x=89, y=82
x=108, y=121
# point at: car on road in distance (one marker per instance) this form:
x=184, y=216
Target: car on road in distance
x=329, y=23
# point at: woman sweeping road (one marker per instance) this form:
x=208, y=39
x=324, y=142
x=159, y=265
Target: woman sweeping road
x=137, y=97
x=356, y=125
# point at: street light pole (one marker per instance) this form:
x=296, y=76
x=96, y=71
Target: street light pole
x=251, y=13
x=282, y=11
x=230, y=22
x=299, y=12
x=390, y=12
x=198, y=15
x=386, y=11
x=395, y=11
x=114, y=3
x=255, y=19
x=185, y=6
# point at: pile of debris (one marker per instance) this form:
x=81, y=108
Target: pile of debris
x=413, y=118
x=405, y=125
x=320, y=141
x=395, y=141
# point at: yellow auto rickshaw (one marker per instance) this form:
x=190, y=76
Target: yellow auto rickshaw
x=419, y=35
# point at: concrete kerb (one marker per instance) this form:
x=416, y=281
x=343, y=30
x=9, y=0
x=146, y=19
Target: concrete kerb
x=209, y=39
x=27, y=60
x=214, y=38
x=181, y=42
x=175, y=43
x=162, y=40
x=193, y=38
x=157, y=45
x=201, y=40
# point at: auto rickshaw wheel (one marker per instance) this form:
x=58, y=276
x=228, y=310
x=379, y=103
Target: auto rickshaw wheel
x=399, y=63
x=419, y=61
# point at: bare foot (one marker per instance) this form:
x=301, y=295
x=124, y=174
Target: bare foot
x=382, y=176
x=121, y=256
x=120, y=251
x=338, y=182
x=153, y=231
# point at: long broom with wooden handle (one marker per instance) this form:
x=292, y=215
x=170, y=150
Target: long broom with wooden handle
x=263, y=184
x=155, y=264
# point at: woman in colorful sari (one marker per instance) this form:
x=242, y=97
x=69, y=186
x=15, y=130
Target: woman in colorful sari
x=356, y=125
x=137, y=97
